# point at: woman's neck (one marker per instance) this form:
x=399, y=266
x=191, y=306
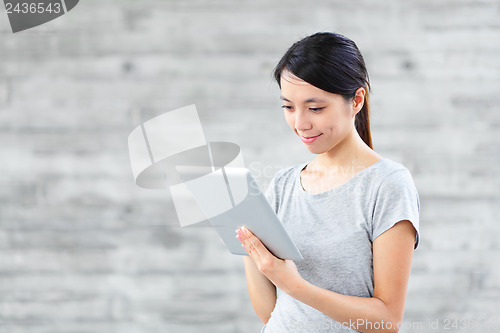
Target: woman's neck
x=352, y=152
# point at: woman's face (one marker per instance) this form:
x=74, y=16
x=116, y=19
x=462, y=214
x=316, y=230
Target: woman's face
x=321, y=119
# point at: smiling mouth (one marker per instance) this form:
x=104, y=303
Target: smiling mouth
x=310, y=137
x=309, y=140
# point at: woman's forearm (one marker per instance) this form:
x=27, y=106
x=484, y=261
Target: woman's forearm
x=364, y=314
x=262, y=292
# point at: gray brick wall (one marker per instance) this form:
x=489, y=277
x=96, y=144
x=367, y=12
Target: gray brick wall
x=82, y=249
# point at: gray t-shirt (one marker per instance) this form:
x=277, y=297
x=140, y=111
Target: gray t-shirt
x=334, y=231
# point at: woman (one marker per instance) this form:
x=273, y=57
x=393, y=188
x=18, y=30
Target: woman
x=352, y=213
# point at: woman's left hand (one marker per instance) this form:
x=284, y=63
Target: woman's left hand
x=281, y=272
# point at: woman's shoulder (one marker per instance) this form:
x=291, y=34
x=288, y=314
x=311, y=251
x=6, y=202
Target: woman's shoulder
x=393, y=172
x=385, y=171
x=389, y=166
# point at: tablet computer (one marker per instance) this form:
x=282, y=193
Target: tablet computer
x=253, y=211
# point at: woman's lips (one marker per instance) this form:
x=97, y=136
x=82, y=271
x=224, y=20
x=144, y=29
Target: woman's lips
x=309, y=139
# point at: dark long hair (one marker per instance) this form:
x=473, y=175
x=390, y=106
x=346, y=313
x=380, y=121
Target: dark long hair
x=333, y=63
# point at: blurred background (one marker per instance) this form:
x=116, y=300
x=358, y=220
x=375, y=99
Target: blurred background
x=83, y=249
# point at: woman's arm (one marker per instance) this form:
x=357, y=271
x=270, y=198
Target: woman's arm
x=262, y=292
x=392, y=255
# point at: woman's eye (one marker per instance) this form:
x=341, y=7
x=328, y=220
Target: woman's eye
x=315, y=109
x=288, y=107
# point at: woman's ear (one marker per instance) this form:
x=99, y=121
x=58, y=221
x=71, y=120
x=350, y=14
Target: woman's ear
x=358, y=100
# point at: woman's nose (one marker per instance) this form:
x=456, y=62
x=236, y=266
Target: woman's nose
x=302, y=122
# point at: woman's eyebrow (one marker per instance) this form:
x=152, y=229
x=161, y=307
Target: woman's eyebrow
x=310, y=100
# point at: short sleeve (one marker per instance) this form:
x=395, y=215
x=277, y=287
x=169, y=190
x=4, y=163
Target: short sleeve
x=396, y=200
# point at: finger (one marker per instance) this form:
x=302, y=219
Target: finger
x=248, y=244
x=246, y=236
x=244, y=241
x=254, y=243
